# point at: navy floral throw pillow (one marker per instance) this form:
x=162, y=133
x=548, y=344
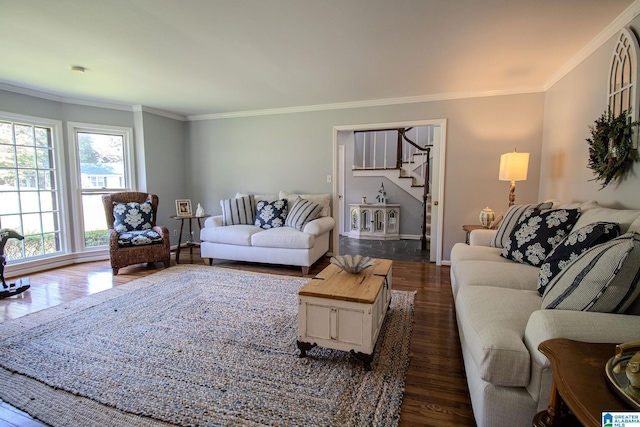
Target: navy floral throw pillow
x=572, y=246
x=538, y=233
x=132, y=216
x=271, y=214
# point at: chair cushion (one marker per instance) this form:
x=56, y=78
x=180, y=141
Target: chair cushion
x=493, y=322
x=538, y=233
x=239, y=210
x=138, y=238
x=572, y=246
x=511, y=219
x=283, y=237
x=604, y=278
x=302, y=212
x=271, y=214
x=132, y=216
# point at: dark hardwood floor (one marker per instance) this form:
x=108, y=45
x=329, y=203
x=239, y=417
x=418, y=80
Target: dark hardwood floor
x=435, y=391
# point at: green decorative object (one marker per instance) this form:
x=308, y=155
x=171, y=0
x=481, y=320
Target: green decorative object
x=611, y=151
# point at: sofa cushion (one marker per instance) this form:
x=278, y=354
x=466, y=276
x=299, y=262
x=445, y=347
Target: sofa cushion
x=538, y=233
x=271, y=214
x=464, y=252
x=493, y=322
x=624, y=217
x=230, y=235
x=138, y=238
x=239, y=210
x=604, y=278
x=511, y=219
x=132, y=216
x=302, y=212
x=283, y=237
x=572, y=246
x=321, y=199
x=498, y=274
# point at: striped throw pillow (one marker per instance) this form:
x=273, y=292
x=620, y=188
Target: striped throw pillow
x=241, y=210
x=302, y=212
x=511, y=219
x=604, y=278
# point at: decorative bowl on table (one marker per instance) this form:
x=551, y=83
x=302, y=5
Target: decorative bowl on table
x=352, y=264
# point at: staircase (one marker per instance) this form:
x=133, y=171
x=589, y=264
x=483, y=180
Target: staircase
x=406, y=163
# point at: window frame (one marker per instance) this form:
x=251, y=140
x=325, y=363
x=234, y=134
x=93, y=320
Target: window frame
x=73, y=128
x=61, y=184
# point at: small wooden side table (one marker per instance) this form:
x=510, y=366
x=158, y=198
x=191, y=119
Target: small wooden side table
x=469, y=228
x=579, y=384
x=188, y=244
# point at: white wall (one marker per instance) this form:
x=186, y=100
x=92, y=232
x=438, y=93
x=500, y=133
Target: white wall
x=571, y=106
x=294, y=152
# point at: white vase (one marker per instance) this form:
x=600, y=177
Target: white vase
x=487, y=216
x=199, y=210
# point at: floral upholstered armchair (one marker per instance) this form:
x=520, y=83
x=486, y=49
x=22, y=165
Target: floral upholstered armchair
x=134, y=237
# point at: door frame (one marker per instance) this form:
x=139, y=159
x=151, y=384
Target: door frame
x=337, y=185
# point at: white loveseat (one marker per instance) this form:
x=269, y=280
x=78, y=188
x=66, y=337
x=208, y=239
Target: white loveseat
x=501, y=323
x=281, y=245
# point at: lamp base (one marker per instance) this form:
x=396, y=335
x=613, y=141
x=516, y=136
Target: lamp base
x=512, y=194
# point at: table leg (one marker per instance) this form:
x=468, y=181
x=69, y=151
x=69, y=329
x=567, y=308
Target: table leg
x=553, y=416
x=190, y=241
x=179, y=242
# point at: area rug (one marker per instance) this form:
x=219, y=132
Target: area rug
x=197, y=345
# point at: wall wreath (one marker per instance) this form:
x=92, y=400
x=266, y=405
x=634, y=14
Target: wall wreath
x=611, y=151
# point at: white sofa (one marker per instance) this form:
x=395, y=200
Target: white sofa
x=281, y=245
x=501, y=323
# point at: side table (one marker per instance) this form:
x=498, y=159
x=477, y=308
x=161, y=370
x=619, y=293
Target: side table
x=469, y=228
x=579, y=384
x=189, y=243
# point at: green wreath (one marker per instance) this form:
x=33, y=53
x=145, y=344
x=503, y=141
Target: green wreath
x=611, y=152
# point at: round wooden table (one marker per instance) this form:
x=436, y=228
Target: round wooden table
x=189, y=243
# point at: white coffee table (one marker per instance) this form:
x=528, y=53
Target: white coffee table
x=345, y=311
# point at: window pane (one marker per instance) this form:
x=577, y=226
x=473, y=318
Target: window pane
x=46, y=179
x=12, y=222
x=8, y=179
x=49, y=222
x=44, y=158
x=24, y=135
x=47, y=200
x=101, y=160
x=8, y=204
x=43, y=137
x=51, y=243
x=27, y=179
x=13, y=249
x=6, y=134
x=7, y=156
x=95, y=222
x=26, y=157
x=29, y=201
x=31, y=224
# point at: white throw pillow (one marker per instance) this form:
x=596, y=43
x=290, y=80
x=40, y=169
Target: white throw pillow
x=321, y=199
x=302, y=212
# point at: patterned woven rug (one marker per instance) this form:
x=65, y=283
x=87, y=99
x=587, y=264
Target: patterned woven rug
x=197, y=345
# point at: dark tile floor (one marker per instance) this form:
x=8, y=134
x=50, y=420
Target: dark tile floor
x=400, y=250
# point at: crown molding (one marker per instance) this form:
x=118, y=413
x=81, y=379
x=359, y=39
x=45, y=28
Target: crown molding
x=157, y=112
x=370, y=103
x=611, y=30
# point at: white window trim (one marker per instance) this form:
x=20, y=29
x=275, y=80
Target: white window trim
x=36, y=263
x=73, y=128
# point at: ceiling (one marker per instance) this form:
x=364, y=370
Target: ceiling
x=203, y=57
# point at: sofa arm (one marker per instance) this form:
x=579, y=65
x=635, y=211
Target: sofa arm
x=213, y=221
x=481, y=237
x=319, y=226
x=580, y=326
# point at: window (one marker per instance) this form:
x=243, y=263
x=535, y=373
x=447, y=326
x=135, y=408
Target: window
x=103, y=166
x=29, y=183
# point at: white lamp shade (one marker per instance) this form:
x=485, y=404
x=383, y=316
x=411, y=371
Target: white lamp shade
x=514, y=166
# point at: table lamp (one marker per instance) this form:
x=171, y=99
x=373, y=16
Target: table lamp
x=513, y=167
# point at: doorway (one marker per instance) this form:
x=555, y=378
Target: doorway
x=344, y=138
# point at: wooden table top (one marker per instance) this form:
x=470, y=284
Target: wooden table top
x=579, y=374
x=334, y=283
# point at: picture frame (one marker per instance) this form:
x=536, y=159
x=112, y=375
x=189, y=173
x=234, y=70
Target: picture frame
x=183, y=207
